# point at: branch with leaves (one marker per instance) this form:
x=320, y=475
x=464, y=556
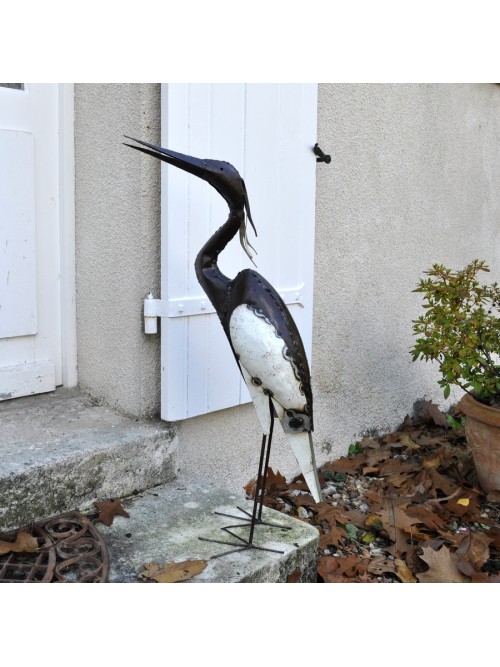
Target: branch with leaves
x=461, y=329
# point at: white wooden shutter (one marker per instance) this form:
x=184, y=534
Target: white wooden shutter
x=267, y=131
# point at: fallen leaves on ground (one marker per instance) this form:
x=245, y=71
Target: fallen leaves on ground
x=402, y=507
x=108, y=509
x=173, y=572
x=24, y=543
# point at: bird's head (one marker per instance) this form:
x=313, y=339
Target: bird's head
x=221, y=175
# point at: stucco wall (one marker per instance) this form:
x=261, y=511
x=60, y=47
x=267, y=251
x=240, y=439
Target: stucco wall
x=413, y=180
x=117, y=244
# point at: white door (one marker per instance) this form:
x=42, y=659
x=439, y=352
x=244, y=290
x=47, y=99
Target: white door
x=267, y=131
x=30, y=239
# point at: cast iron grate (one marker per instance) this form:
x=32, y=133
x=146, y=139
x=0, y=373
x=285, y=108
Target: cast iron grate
x=71, y=550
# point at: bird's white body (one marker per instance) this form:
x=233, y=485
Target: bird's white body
x=268, y=370
x=262, y=353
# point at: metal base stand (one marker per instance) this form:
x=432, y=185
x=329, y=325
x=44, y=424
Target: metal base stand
x=256, y=516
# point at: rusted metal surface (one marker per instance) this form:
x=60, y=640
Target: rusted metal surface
x=71, y=550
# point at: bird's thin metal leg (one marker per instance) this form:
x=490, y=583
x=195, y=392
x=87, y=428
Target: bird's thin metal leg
x=268, y=454
x=260, y=485
x=256, y=516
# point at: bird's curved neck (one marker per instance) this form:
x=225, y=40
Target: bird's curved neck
x=211, y=278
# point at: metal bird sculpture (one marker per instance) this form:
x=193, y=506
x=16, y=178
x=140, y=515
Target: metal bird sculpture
x=261, y=331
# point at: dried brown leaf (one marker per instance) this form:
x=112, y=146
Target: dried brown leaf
x=442, y=482
x=24, y=543
x=463, y=504
x=108, y=509
x=493, y=497
x=408, y=443
x=475, y=549
x=334, y=515
x=426, y=516
x=173, y=572
x=275, y=481
x=398, y=467
x=349, y=465
x=380, y=565
x=431, y=462
x=420, y=483
x=369, y=443
x=351, y=565
x=294, y=577
x=429, y=411
x=403, y=572
x=397, y=516
x=477, y=577
x=332, y=538
x=327, y=566
x=400, y=529
x=442, y=568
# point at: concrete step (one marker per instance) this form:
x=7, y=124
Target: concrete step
x=60, y=452
x=165, y=525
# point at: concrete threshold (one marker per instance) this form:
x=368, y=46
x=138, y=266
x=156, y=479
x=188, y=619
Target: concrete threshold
x=60, y=452
x=165, y=525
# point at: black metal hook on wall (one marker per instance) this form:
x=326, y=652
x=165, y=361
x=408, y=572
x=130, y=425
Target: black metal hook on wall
x=321, y=156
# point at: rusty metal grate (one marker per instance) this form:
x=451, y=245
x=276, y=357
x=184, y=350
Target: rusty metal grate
x=71, y=550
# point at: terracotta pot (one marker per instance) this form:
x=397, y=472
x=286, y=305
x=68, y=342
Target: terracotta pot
x=482, y=430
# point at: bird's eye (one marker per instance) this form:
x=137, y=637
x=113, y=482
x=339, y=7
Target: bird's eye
x=221, y=168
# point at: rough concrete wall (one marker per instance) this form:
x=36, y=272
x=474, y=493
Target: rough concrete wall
x=414, y=180
x=117, y=244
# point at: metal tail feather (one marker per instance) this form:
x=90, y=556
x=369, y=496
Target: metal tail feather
x=302, y=447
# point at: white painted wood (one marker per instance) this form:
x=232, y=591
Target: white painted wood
x=18, y=302
x=26, y=379
x=267, y=131
x=42, y=112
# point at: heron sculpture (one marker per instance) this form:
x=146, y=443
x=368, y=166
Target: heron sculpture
x=261, y=331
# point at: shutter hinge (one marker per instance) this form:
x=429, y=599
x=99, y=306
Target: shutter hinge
x=189, y=306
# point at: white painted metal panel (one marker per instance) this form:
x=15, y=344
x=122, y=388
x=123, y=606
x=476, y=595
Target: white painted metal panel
x=30, y=314
x=267, y=132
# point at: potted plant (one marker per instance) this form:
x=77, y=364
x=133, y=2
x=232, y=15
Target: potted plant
x=461, y=331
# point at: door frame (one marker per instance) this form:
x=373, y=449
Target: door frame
x=67, y=229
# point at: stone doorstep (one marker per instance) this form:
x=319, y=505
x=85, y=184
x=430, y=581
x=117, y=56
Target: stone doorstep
x=60, y=452
x=165, y=525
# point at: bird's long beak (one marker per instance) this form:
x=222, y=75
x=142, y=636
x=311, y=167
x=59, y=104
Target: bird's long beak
x=190, y=164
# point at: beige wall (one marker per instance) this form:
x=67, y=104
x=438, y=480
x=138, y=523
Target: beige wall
x=413, y=180
x=117, y=244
